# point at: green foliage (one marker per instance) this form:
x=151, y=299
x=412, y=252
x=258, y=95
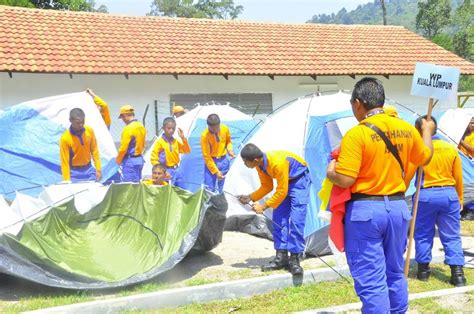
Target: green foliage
x=71, y=5
x=212, y=9
x=17, y=3
x=443, y=40
x=398, y=12
x=433, y=16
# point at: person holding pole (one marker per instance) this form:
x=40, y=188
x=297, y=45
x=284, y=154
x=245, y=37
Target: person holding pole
x=289, y=202
x=371, y=163
x=440, y=203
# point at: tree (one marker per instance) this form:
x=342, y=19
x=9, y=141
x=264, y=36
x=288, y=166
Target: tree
x=464, y=30
x=17, y=3
x=433, y=16
x=70, y=5
x=212, y=9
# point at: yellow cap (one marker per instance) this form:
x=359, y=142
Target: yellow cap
x=391, y=110
x=177, y=109
x=126, y=109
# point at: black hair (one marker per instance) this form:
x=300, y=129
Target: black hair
x=159, y=166
x=418, y=123
x=213, y=119
x=168, y=120
x=251, y=152
x=369, y=91
x=77, y=113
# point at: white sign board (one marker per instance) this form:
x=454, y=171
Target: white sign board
x=436, y=81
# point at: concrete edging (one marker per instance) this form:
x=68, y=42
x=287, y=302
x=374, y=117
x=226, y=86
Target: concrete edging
x=199, y=294
x=422, y=295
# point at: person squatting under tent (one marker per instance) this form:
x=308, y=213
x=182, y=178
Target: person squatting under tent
x=167, y=149
x=159, y=176
x=216, y=144
x=377, y=216
x=77, y=146
x=289, y=202
x=131, y=146
x=440, y=203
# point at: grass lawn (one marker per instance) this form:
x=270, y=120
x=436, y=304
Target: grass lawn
x=316, y=296
x=287, y=300
x=467, y=228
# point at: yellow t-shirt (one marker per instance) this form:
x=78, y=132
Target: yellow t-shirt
x=215, y=146
x=365, y=157
x=444, y=168
x=75, y=151
x=132, y=142
x=150, y=182
x=469, y=140
x=281, y=166
x=166, y=152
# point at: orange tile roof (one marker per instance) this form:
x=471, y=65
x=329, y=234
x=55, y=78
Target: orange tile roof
x=33, y=40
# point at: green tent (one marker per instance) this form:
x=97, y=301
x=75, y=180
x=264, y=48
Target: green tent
x=135, y=233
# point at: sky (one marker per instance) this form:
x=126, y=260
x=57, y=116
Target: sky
x=286, y=11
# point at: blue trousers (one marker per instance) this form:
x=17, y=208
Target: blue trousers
x=176, y=177
x=375, y=240
x=210, y=180
x=289, y=218
x=440, y=207
x=132, y=169
x=83, y=174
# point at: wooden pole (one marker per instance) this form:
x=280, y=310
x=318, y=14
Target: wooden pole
x=415, y=201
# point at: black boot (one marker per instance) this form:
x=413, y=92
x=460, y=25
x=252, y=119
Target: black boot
x=294, y=265
x=279, y=262
x=423, y=272
x=457, y=276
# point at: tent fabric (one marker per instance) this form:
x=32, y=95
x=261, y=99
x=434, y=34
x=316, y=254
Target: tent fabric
x=310, y=127
x=29, y=145
x=133, y=234
x=193, y=124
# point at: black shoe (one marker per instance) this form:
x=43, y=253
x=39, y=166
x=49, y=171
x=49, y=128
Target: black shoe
x=468, y=216
x=457, y=276
x=294, y=265
x=423, y=272
x=280, y=261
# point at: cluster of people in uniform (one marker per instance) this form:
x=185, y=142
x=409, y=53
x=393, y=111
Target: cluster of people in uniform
x=377, y=216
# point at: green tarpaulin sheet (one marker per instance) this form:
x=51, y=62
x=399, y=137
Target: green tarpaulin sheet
x=135, y=233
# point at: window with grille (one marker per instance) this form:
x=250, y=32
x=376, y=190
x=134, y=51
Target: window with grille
x=252, y=104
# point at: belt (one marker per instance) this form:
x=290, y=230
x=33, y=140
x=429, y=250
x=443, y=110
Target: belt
x=219, y=157
x=367, y=197
x=172, y=167
x=300, y=175
x=438, y=186
x=133, y=156
x=81, y=167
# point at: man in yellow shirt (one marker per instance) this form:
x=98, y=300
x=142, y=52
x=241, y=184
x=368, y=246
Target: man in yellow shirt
x=467, y=143
x=289, y=202
x=77, y=147
x=216, y=143
x=377, y=216
x=158, y=176
x=167, y=149
x=440, y=204
x=102, y=106
x=131, y=146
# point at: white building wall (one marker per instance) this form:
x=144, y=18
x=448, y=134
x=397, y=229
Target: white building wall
x=140, y=90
